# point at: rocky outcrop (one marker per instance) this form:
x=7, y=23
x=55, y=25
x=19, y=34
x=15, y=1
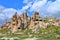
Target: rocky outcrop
x=19, y=22
x=35, y=16
x=14, y=22
x=23, y=21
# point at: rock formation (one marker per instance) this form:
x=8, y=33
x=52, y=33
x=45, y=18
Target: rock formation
x=23, y=21
x=36, y=16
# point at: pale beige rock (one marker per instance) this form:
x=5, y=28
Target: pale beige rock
x=31, y=26
x=36, y=16
x=23, y=22
x=14, y=22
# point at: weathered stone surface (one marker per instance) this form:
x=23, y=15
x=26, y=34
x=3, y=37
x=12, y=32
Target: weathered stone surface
x=35, y=16
x=22, y=22
x=24, y=18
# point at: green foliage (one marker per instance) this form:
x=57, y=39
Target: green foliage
x=41, y=33
x=27, y=31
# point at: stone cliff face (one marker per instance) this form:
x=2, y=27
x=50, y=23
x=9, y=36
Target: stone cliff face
x=23, y=21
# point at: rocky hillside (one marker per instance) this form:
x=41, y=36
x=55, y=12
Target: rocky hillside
x=23, y=22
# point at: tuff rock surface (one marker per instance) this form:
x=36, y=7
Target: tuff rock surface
x=23, y=21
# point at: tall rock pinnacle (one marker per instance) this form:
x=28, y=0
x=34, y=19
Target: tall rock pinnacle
x=24, y=21
x=35, y=16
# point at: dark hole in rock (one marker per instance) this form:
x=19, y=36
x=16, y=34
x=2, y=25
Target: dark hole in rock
x=36, y=20
x=17, y=22
x=40, y=20
x=13, y=24
x=18, y=27
x=35, y=23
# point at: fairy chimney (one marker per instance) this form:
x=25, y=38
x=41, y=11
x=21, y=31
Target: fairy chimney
x=24, y=20
x=19, y=23
x=36, y=16
x=14, y=22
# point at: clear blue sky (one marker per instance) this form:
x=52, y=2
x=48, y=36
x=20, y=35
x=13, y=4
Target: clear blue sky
x=17, y=4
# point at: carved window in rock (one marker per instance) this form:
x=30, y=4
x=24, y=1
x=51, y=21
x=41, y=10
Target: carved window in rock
x=35, y=23
x=17, y=22
x=36, y=20
x=19, y=28
x=13, y=24
x=40, y=20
